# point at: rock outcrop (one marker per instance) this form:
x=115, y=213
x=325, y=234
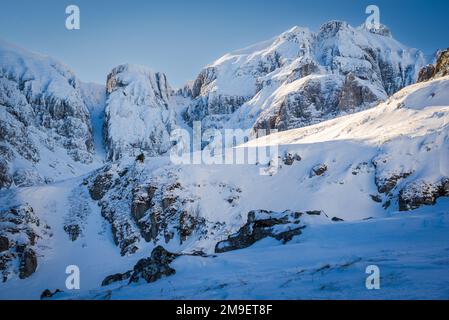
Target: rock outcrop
x=438, y=70
x=42, y=111
x=421, y=193
x=20, y=231
x=139, y=96
x=282, y=226
x=149, y=269
x=301, y=78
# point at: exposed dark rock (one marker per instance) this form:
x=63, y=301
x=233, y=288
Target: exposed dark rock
x=262, y=224
x=314, y=213
x=5, y=177
x=20, y=229
x=385, y=185
x=420, y=193
x=116, y=278
x=188, y=224
x=4, y=243
x=336, y=219
x=362, y=167
x=426, y=73
x=74, y=231
x=289, y=158
x=149, y=269
x=318, y=170
x=28, y=264
x=101, y=185
x=153, y=268
x=355, y=94
x=444, y=187
x=376, y=198
x=142, y=197
x=440, y=69
x=140, y=158
x=47, y=294
x=442, y=65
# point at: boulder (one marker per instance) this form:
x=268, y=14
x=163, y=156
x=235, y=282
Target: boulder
x=101, y=185
x=155, y=267
x=318, y=170
x=262, y=224
x=4, y=243
x=426, y=73
x=46, y=294
x=118, y=277
x=28, y=264
x=417, y=194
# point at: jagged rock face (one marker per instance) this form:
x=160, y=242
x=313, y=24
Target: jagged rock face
x=138, y=206
x=149, y=269
x=301, y=78
x=440, y=69
x=442, y=66
x=426, y=73
x=28, y=264
x=41, y=111
x=420, y=193
x=155, y=267
x=282, y=226
x=20, y=231
x=139, y=112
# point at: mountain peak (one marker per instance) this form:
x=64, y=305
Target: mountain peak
x=381, y=30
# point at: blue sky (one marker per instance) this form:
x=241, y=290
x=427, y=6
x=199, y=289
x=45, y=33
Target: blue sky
x=180, y=37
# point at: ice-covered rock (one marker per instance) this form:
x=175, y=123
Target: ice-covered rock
x=438, y=70
x=301, y=78
x=20, y=231
x=139, y=112
x=43, y=115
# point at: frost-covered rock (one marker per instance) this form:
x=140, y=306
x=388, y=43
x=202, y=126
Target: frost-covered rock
x=282, y=226
x=420, y=193
x=440, y=69
x=301, y=78
x=139, y=112
x=42, y=113
x=20, y=231
x=149, y=269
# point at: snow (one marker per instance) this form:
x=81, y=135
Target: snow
x=260, y=80
x=408, y=133
x=326, y=262
x=139, y=112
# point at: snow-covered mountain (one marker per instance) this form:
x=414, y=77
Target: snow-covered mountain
x=301, y=78
x=348, y=176
x=45, y=128
x=139, y=112
x=370, y=186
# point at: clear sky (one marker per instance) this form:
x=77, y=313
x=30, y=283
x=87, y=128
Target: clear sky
x=180, y=37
